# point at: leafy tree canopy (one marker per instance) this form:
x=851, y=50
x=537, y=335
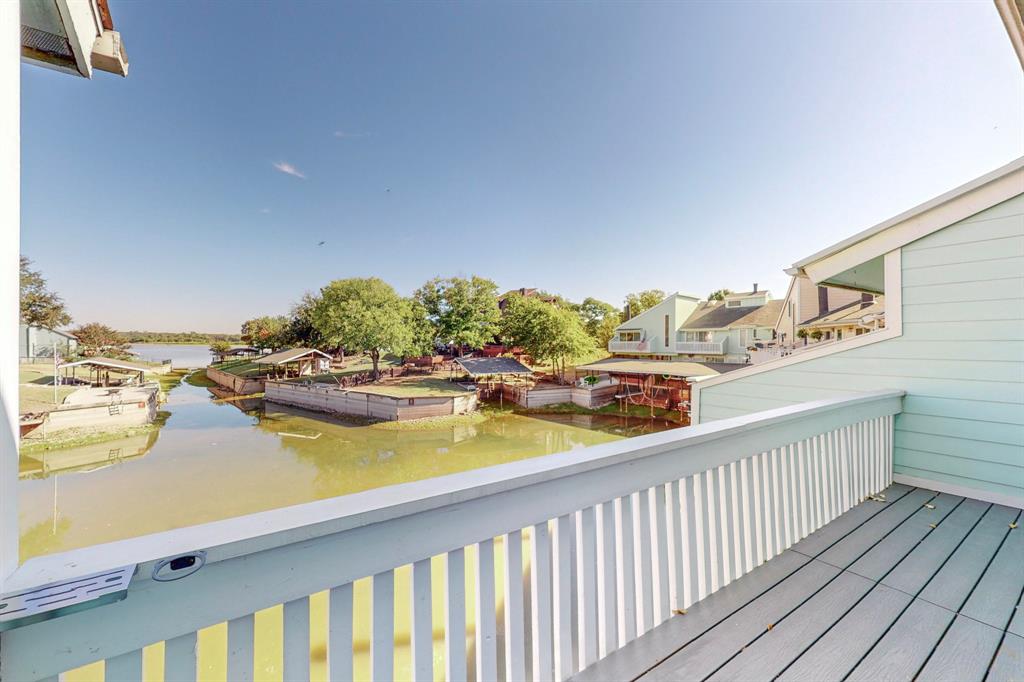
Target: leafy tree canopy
x=266, y=332
x=592, y=313
x=719, y=295
x=606, y=330
x=95, y=339
x=546, y=332
x=219, y=347
x=300, y=330
x=640, y=301
x=364, y=314
x=40, y=307
x=463, y=311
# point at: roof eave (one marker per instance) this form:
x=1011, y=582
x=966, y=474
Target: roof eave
x=964, y=201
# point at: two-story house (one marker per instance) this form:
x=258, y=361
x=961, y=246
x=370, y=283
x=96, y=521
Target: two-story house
x=804, y=301
x=653, y=333
x=724, y=331
x=685, y=328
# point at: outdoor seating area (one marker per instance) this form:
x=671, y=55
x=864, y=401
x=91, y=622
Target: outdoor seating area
x=98, y=371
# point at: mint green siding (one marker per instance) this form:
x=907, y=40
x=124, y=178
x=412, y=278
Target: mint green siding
x=960, y=359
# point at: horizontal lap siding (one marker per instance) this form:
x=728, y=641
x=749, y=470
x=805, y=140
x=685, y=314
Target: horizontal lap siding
x=960, y=359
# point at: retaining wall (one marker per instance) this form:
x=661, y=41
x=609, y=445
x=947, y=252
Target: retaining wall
x=333, y=400
x=590, y=398
x=238, y=385
x=101, y=416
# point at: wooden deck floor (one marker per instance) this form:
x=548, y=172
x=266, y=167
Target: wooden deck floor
x=923, y=586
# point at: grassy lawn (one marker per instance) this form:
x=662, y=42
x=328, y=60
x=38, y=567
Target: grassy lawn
x=413, y=387
x=612, y=408
x=34, y=398
x=35, y=392
x=599, y=354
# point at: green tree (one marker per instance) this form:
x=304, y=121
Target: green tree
x=719, y=295
x=423, y=333
x=606, y=330
x=220, y=347
x=593, y=312
x=463, y=311
x=40, y=307
x=98, y=339
x=366, y=315
x=266, y=332
x=548, y=333
x=300, y=330
x=640, y=301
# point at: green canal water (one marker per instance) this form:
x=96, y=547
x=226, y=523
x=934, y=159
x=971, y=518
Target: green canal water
x=216, y=459
x=212, y=460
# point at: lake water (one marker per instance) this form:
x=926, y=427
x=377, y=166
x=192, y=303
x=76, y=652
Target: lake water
x=180, y=354
x=212, y=460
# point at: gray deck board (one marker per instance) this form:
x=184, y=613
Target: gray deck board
x=704, y=655
x=1017, y=622
x=954, y=581
x=906, y=646
x=890, y=590
x=996, y=594
x=776, y=648
x=821, y=539
x=924, y=562
x=881, y=558
x=964, y=653
x=851, y=547
x=663, y=641
x=1009, y=662
x=840, y=649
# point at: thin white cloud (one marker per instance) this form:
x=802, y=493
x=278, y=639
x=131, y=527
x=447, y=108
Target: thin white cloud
x=286, y=167
x=349, y=135
x=264, y=210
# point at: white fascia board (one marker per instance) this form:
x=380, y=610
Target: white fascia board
x=964, y=201
x=10, y=216
x=83, y=26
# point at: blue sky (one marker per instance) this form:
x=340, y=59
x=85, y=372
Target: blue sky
x=587, y=149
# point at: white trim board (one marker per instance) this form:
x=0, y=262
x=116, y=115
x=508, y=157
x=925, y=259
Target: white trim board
x=978, y=195
x=960, y=490
x=10, y=212
x=893, y=329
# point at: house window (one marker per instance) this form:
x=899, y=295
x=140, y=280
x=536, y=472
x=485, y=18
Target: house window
x=697, y=337
x=666, y=331
x=629, y=336
x=733, y=304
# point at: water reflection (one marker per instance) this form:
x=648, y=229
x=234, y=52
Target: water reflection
x=217, y=457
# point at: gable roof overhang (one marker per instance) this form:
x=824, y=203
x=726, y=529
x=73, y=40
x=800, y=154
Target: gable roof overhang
x=857, y=262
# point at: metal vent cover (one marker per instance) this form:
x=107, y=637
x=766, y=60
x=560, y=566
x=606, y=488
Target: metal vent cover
x=43, y=41
x=58, y=599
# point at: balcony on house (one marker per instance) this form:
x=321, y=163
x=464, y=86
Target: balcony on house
x=779, y=535
x=635, y=343
x=706, y=347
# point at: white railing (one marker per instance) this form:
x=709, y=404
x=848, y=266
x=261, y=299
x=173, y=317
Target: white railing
x=713, y=347
x=647, y=346
x=617, y=537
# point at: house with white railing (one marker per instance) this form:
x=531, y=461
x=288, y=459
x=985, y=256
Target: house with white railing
x=727, y=330
x=652, y=333
x=850, y=513
x=686, y=328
